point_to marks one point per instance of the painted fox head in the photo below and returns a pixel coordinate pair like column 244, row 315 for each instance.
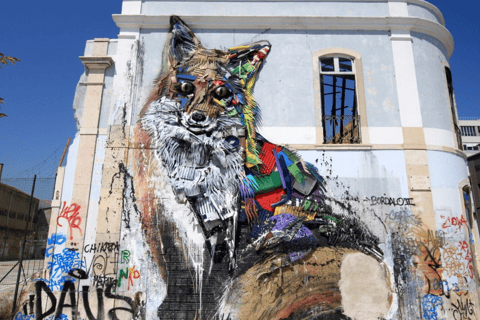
column 211, row 83
column 199, row 121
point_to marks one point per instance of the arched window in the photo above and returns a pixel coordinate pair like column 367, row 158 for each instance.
column 340, row 119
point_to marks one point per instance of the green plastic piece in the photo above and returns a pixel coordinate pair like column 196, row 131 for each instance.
column 306, row 204
column 268, row 183
column 331, row 218
column 232, row 112
column 246, row 68
column 296, row 173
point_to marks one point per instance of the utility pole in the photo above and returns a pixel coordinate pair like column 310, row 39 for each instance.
column 22, row 248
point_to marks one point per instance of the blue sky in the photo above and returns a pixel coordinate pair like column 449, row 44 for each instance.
column 48, row 36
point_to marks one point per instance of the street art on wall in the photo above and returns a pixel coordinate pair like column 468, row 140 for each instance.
column 217, row 222
column 256, row 207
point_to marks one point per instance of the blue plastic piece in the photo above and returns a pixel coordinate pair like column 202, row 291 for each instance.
column 186, row 77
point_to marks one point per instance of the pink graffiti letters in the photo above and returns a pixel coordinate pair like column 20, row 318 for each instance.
column 71, row 215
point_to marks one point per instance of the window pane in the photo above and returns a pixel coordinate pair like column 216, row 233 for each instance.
column 468, row 131
column 345, row 64
column 340, row 119
column 20, row 216
column 327, row 64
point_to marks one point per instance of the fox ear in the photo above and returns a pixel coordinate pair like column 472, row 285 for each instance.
column 183, row 42
column 246, row 61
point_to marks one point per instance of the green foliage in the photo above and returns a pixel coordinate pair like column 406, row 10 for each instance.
column 5, row 60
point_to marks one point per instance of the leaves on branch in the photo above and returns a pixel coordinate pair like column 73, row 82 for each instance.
column 6, row 59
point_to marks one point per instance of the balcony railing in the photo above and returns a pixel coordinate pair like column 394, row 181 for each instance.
column 341, row 129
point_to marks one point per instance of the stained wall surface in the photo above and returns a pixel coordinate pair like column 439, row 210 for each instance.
column 177, row 202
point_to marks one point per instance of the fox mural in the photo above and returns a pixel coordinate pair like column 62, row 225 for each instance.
column 238, row 226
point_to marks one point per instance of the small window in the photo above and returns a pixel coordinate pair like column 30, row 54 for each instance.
column 340, row 119
column 468, row 131
column 453, row 106
column 3, row 213
column 12, row 214
column 20, row 216
column 468, row 204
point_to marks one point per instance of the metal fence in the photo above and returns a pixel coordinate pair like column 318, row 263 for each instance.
column 23, row 239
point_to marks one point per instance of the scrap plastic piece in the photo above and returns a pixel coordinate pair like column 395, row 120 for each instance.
column 267, row 199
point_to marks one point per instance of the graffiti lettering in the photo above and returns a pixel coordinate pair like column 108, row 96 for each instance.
column 430, row 303
column 389, row 201
column 61, row 263
column 125, row 255
column 101, row 281
column 463, row 310
column 458, row 260
column 130, row 274
column 71, row 215
column 454, row 222
column 67, row 300
column 102, row 247
column 404, row 216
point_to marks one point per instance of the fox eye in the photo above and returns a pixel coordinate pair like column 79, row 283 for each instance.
column 221, row 92
column 186, row 88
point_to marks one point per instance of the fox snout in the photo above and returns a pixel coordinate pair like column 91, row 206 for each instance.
column 198, row 121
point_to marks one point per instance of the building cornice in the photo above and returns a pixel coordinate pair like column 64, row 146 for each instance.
column 421, row 3
column 428, row 27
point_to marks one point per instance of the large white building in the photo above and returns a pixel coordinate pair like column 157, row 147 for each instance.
column 360, row 89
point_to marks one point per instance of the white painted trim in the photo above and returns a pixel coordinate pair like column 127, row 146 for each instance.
column 132, row 6
column 289, row 135
column 137, row 21
column 406, row 82
column 397, row 9
column 439, row 137
column 386, row 135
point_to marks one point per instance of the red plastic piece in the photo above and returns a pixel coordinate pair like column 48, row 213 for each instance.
column 267, row 199
column 267, row 157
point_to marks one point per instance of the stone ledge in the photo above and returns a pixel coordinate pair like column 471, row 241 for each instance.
column 101, row 63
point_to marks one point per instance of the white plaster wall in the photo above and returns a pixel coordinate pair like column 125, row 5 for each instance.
column 266, row 8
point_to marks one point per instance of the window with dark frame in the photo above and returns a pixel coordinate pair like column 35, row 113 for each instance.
column 451, row 96
column 340, row 119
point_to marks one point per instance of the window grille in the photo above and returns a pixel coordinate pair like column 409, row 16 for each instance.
column 340, row 119
column 468, row 131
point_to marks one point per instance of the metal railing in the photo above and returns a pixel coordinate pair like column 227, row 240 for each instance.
column 339, row 129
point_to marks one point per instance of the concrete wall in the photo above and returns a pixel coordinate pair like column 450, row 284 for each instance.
column 394, row 240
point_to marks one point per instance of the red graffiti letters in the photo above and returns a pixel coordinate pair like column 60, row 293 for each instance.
column 72, row 215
